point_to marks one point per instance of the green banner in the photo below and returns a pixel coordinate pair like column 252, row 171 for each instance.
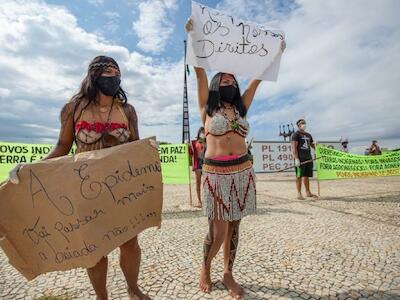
column 174, row 163
column 174, row 159
column 14, row 153
column 333, row 164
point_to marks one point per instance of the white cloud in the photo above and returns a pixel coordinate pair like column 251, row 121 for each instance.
column 45, row 56
column 96, row 2
column 112, row 24
column 265, row 11
column 4, row 92
column 153, row 26
column 112, row 14
column 340, row 67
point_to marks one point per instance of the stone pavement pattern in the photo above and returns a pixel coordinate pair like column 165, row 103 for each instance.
column 345, row 245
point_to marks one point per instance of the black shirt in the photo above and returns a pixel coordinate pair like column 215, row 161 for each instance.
column 304, row 141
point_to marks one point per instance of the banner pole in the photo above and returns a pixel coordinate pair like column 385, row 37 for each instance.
column 291, row 167
column 190, row 194
column 190, row 176
column 190, row 188
column 318, row 184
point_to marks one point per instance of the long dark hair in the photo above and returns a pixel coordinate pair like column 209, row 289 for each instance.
column 88, row 90
column 198, row 132
column 214, row 97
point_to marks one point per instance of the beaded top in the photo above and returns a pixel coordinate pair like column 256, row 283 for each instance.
column 220, row 124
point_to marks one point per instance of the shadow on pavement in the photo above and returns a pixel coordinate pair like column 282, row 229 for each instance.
column 170, row 215
column 395, row 197
column 251, row 290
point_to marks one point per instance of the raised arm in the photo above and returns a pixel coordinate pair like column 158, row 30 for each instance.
column 202, row 82
column 66, row 136
column 249, row 93
column 202, row 90
column 251, row 89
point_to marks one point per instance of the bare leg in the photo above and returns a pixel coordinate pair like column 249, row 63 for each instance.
column 198, row 186
column 217, row 232
column 230, row 248
column 98, row 278
column 298, row 187
column 130, row 265
column 307, row 186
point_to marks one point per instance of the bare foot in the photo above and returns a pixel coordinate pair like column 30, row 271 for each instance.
column 137, row 295
column 198, row 205
column 205, row 284
column 311, row 195
column 235, row 290
column 300, row 197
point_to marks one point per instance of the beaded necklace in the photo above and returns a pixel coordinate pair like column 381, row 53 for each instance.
column 233, row 123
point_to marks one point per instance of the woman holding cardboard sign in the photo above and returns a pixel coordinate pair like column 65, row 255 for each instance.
column 229, row 191
column 98, row 117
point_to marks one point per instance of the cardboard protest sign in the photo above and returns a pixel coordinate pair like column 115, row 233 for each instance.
column 14, row 153
column 175, row 163
column 334, row 164
column 227, row 44
column 68, row 212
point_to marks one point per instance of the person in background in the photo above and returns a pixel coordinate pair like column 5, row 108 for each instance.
column 345, row 143
column 302, row 142
column 374, row 149
column 197, row 150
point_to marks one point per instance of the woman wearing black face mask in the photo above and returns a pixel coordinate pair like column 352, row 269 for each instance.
column 97, row 117
column 229, row 191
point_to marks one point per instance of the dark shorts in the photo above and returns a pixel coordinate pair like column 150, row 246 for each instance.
column 305, row 170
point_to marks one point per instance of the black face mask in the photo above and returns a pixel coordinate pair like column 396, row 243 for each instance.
column 228, row 93
column 108, row 85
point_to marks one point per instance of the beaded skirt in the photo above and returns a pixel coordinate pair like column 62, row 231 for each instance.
column 228, row 188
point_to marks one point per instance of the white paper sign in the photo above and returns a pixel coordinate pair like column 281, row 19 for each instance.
column 227, row 44
column 272, row 156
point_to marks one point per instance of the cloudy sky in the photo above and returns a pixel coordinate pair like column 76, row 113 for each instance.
column 341, row 68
